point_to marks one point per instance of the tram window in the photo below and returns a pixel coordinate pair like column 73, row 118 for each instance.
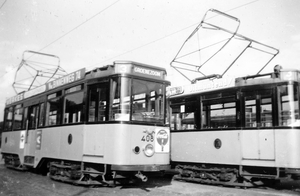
column 147, row 101
column 92, row 104
column 258, row 109
column 73, row 108
column 250, row 112
column 288, row 106
column 98, row 96
column 121, row 99
column 184, row 116
column 18, row 117
column 266, row 112
column 53, row 111
column 24, row 125
column 219, row 114
column 42, row 115
column 33, row 116
column 8, row 119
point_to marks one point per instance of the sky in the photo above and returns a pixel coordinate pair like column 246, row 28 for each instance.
column 92, row 33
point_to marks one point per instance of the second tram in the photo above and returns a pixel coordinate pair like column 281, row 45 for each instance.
column 237, row 132
column 91, row 127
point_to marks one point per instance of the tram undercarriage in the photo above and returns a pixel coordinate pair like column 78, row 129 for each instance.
column 86, row 174
column 90, row 174
column 232, row 176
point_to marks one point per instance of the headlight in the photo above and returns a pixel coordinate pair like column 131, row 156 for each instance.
column 149, row 150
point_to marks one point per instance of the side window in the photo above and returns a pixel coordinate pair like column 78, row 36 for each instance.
column 42, row 115
column 258, row 109
column 54, row 109
column 73, row 105
column 218, row 114
column 185, row 116
column 250, row 112
column 266, row 111
column 24, row 125
column 33, row 116
column 288, row 105
column 8, row 119
column 18, row 117
column 98, row 99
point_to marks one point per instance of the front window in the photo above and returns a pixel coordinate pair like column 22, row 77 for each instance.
column 137, row 100
column 148, row 101
column 288, row 105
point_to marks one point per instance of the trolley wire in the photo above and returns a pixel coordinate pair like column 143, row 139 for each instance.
column 131, row 50
column 3, row 4
column 166, row 36
column 62, row 36
column 77, row 26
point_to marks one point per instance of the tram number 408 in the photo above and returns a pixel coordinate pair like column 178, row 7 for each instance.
column 147, row 138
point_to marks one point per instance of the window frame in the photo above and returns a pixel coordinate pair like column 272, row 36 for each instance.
column 69, row 92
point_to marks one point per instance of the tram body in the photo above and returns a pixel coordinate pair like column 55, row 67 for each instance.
column 89, row 127
column 237, row 132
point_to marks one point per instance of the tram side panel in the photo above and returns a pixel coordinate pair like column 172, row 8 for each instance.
column 13, row 143
column 265, row 147
column 287, row 147
column 107, row 144
column 64, row 143
column 214, row 147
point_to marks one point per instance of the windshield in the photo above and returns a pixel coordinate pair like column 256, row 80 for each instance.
column 138, row 100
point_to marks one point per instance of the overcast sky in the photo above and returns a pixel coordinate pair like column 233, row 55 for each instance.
column 91, row 33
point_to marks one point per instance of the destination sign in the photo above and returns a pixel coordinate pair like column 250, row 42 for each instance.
column 35, row 91
column 202, row 86
column 14, row 99
column 147, row 71
column 72, row 77
column 140, row 70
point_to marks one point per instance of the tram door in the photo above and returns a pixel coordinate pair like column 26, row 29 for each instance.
column 258, row 139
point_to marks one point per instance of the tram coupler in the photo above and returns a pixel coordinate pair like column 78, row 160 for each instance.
column 141, row 176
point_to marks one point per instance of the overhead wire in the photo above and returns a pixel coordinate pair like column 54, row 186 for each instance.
column 78, row 26
column 62, row 36
column 166, row 36
column 131, row 50
column 3, row 4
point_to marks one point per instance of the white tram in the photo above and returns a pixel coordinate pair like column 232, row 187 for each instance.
column 237, row 132
column 89, row 127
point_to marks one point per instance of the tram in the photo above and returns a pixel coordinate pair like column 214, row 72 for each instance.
column 237, row 131
column 91, row 127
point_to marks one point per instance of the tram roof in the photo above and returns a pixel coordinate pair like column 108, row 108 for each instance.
column 118, row 67
column 230, row 82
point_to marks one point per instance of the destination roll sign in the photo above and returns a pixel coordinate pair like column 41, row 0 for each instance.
column 140, row 70
column 72, row 77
